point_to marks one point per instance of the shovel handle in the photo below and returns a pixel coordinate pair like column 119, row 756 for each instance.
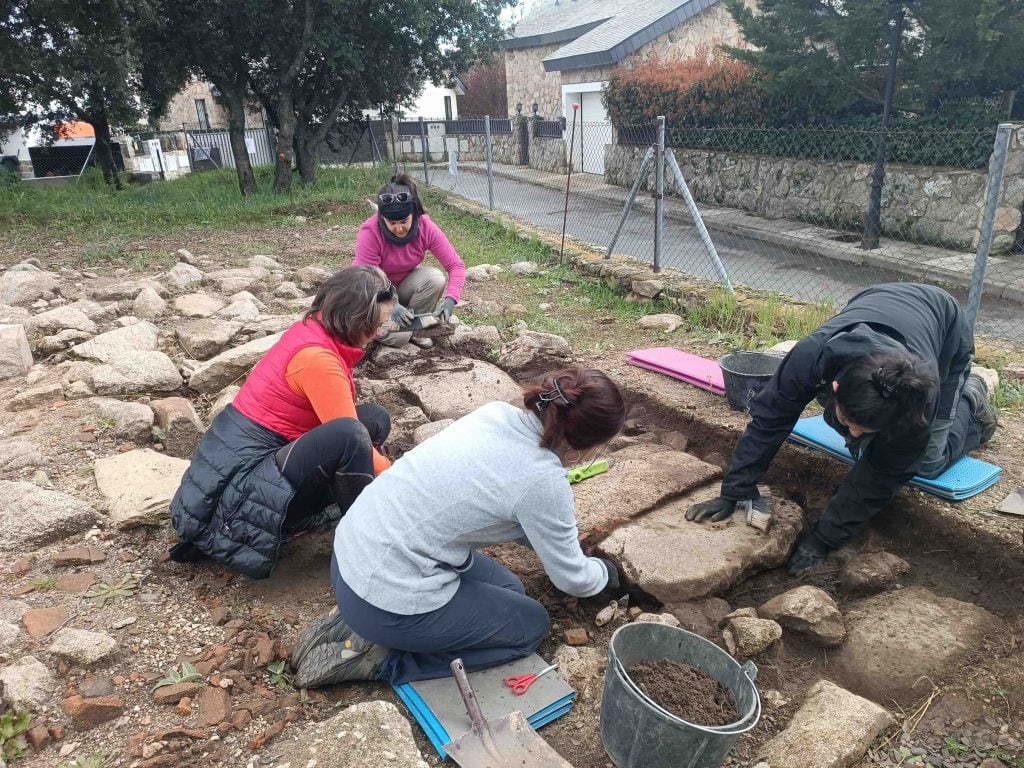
column 468, row 695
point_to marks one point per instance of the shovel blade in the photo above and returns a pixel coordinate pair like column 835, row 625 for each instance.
column 506, row 742
column 1013, row 504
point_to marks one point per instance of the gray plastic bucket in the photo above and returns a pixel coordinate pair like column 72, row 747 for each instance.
column 745, row 374
column 637, row 733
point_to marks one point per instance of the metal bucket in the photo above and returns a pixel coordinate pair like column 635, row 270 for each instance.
column 745, row 374
column 638, row 733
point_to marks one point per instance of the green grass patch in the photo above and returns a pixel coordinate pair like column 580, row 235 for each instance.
column 93, row 212
column 1009, row 395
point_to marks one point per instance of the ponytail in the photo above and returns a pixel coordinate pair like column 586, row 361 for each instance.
column 885, row 390
column 580, row 407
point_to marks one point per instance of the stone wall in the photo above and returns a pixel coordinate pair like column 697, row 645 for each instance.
column 472, row 147
column 925, row 204
column 527, row 82
column 182, row 109
column 548, row 155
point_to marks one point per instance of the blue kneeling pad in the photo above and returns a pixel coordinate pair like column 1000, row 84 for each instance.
column 967, row 478
column 439, row 709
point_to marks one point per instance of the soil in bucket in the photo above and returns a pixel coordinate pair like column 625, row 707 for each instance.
column 685, row 691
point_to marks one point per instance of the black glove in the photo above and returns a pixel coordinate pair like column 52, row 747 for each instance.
column 715, row 510
column 402, row 315
column 811, row 551
column 444, row 314
column 613, row 575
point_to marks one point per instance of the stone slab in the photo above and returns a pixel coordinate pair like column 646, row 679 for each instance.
column 133, row 373
column 897, row 638
column 138, row 337
column 832, row 729
column 675, row 560
column 369, row 733
column 31, row 516
column 138, row 485
column 461, row 389
column 638, row 481
column 227, row 367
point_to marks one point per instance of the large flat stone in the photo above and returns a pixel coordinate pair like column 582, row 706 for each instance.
column 23, row 284
column 133, row 373
column 60, row 319
column 370, row 733
column 27, row 684
column 138, row 485
column 227, row 367
column 15, row 353
column 897, row 638
column 637, row 482
column 130, row 420
column 31, row 516
column 675, row 560
column 138, row 337
column 461, row 389
column 204, row 338
column 198, row 304
column 832, row 729
column 234, row 280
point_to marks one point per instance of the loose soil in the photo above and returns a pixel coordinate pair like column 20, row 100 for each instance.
column 685, row 691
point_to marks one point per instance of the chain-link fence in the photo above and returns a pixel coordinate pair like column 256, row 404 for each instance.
column 799, row 212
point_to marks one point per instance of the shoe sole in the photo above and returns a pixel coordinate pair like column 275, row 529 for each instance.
column 332, row 663
column 314, row 635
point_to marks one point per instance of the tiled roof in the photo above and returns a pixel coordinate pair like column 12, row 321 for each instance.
column 599, row 32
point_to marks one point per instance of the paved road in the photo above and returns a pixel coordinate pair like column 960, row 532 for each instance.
column 748, row 261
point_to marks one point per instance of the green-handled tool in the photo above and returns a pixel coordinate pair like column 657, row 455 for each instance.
column 587, row 471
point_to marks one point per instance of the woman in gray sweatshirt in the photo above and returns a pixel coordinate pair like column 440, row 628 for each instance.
column 412, row 589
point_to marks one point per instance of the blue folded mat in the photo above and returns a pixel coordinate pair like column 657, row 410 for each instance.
column 967, row 478
column 439, row 710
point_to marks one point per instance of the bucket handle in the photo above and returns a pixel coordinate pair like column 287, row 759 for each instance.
column 750, row 670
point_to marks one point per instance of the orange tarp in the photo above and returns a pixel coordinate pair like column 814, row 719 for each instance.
column 75, row 130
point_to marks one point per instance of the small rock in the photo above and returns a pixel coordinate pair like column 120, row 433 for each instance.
column 82, row 647
column 88, row 713
column 38, row 737
column 224, row 399
column 872, row 572
column 311, row 278
column 233, row 280
column 240, row 311
column 105, row 348
column 39, row 622
column 288, row 290
column 773, row 699
column 691, row 618
column 43, row 395
column 479, row 274
column 20, row 454
column 576, row 636
column 27, row 684
column 659, row 618
column 428, row 430
column 214, row 707
column 132, row 421
column 182, row 429
column 783, row 347
column 204, row 338
column 185, row 255
column 148, row 304
column 198, row 305
column 1014, row 372
column 523, row 268
column 532, row 351
column 264, row 262
column 746, row 613
column 9, row 634
column 809, row 611
column 93, row 687
column 745, row 636
column 989, row 376
column 184, row 707
column 172, row 694
column 662, row 322
column 79, row 556
column 76, row 583
column 136, row 372
column 649, row 289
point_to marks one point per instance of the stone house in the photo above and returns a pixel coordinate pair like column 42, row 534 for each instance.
column 197, row 107
column 565, row 51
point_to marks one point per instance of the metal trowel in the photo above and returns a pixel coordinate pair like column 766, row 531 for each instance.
column 504, row 742
column 1013, row 504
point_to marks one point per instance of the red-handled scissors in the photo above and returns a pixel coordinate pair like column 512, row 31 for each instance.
column 520, row 683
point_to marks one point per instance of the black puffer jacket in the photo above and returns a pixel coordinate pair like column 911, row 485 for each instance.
column 233, row 499
column 920, row 318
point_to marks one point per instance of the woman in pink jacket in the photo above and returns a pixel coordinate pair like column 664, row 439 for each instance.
column 397, row 240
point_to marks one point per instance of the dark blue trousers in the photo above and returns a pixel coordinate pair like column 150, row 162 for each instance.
column 489, row 621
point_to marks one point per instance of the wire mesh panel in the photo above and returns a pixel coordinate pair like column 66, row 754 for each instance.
column 784, row 209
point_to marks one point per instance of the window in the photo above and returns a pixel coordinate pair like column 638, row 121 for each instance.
column 447, row 107
column 202, row 115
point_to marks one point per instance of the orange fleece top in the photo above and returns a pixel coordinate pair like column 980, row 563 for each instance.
column 316, row 374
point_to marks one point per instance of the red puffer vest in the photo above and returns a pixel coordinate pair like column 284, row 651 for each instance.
column 266, row 397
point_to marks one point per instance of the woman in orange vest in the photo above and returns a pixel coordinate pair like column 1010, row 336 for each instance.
column 293, row 450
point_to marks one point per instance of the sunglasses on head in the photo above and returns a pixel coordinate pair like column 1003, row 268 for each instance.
column 395, row 197
column 388, row 294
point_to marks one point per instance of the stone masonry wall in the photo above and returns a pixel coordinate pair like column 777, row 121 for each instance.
column 935, row 205
column 527, row 81
column 182, row 109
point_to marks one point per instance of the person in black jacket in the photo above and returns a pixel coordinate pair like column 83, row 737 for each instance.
column 893, row 373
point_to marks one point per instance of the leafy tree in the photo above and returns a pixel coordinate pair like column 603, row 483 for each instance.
column 486, row 91
column 82, row 60
column 831, row 54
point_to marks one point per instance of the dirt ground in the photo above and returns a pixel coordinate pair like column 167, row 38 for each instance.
column 206, row 614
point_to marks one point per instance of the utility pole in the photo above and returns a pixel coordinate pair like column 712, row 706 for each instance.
column 873, row 219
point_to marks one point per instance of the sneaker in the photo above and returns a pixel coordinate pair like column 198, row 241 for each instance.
column 352, row 660
column 329, row 628
column 976, row 391
column 810, row 552
column 422, row 343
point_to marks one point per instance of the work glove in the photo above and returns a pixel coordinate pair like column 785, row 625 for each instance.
column 756, row 512
column 402, row 315
column 811, row 551
column 614, row 582
column 444, row 314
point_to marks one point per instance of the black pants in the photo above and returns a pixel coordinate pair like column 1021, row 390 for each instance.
column 330, row 465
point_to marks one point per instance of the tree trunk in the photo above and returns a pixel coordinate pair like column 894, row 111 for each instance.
column 285, row 142
column 305, row 154
column 104, row 155
column 235, row 101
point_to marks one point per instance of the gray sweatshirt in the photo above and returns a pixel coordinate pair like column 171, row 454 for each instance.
column 484, row 480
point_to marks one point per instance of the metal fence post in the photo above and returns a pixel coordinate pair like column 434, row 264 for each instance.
column 645, row 166
column 659, row 194
column 490, row 162
column 988, row 220
column 423, row 147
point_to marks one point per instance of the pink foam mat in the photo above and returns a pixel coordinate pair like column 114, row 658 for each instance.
column 693, row 369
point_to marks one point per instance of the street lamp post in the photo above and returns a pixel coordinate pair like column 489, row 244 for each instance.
column 873, row 219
